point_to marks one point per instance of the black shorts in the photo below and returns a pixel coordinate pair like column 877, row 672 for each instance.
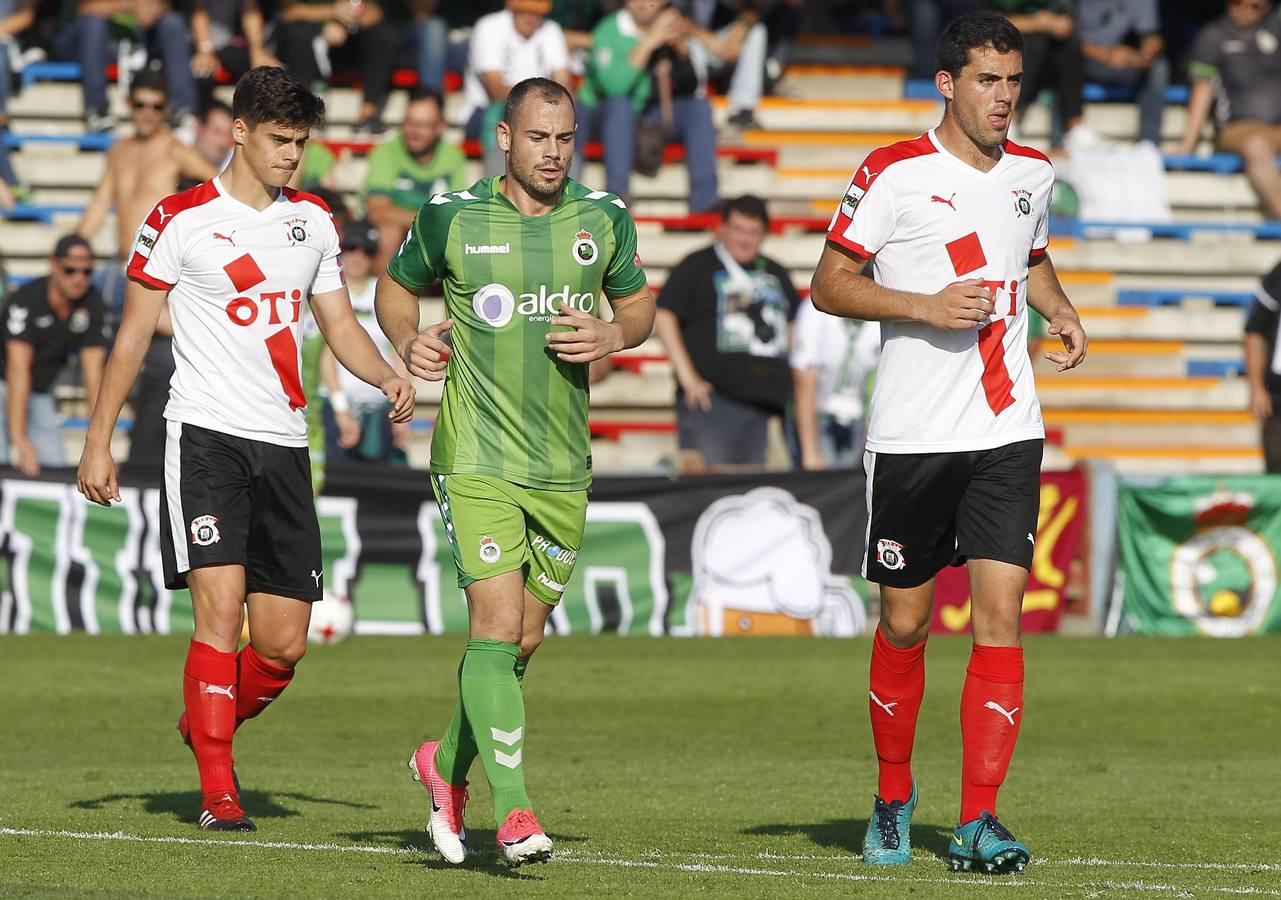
column 930, row 510
column 228, row 500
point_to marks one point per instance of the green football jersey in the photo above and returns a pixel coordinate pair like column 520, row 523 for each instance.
column 511, row 409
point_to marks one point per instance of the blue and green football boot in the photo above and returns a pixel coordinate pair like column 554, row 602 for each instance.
column 889, row 832
column 985, row 845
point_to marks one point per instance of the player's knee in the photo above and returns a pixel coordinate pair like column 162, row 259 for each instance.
column 283, row 654
column 529, row 643
column 904, row 628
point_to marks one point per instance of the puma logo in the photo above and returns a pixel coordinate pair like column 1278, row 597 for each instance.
column 868, row 174
column 996, row 707
column 229, row 238
column 888, row 707
column 937, row 199
column 220, row 689
column 164, row 215
column 316, row 575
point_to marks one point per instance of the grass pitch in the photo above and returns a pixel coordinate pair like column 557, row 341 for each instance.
column 659, row 767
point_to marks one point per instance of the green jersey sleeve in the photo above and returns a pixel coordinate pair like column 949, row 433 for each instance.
column 624, row 275
column 420, row 260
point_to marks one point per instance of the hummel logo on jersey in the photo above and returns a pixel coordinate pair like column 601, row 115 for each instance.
column 935, row 198
column 888, row 707
column 229, row 238
column 316, row 575
column 486, row 249
column 996, row 707
column 220, row 689
column 164, row 215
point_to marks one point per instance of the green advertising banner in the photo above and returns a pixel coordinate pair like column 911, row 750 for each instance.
column 1199, row 556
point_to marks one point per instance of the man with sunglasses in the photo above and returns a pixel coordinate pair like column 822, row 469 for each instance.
column 142, row 170
column 1236, row 69
column 46, row 322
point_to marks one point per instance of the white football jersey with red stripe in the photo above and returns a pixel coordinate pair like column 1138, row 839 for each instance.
column 237, row 278
column 927, row 219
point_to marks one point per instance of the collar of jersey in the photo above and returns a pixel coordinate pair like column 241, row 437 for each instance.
column 226, row 195
column 949, row 155
column 496, row 192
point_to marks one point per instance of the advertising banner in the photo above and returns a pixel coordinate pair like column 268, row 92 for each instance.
column 1198, row 556
column 1059, row 531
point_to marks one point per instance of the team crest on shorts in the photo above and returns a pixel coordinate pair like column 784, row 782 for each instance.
column 204, row 531
column 890, row 554
column 1022, row 202
column 585, row 250
column 490, row 552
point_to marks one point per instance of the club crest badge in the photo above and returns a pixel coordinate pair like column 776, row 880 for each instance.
column 204, row 531
column 490, row 552
column 296, row 231
column 890, row 554
column 1022, row 202
column 585, row 251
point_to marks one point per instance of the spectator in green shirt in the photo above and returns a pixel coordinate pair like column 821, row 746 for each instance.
column 406, row 171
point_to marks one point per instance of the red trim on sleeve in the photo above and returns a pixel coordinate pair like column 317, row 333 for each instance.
column 1037, row 251
column 296, row 196
column 854, row 247
column 1020, row 150
column 163, row 212
column 137, row 274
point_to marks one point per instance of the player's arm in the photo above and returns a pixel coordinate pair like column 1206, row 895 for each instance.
column 19, row 357
column 93, row 362
column 1045, row 295
column 594, row 338
column 96, row 477
column 424, row 353
column 356, row 351
column 839, row 288
column 100, row 203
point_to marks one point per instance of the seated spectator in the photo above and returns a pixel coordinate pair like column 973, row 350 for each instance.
column 1052, row 59
column 577, row 18
column 406, row 171
column 723, row 317
column 357, row 426
column 507, row 47
column 17, row 17
column 832, row 359
column 351, row 33
column 315, row 169
column 1236, row 67
column 630, row 48
column 733, row 35
column 1122, row 43
column 227, row 35
column 47, row 321
column 927, row 20
column 92, row 38
column 1262, row 366
column 214, row 140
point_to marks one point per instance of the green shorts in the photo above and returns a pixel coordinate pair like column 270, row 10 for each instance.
column 495, row 526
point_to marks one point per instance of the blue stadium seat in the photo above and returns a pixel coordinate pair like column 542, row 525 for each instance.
column 83, row 141
column 50, row 71
column 1173, row 297
column 35, row 212
column 1215, row 368
column 1177, row 230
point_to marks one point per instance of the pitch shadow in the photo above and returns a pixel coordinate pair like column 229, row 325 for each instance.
column 185, row 805
column 483, row 858
column 847, row 834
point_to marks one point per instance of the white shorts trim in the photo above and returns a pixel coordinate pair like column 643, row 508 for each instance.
column 173, row 495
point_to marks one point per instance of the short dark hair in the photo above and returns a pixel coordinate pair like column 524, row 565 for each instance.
column 974, row 32
column 212, row 107
column 149, row 80
column 543, row 88
column 67, row 243
column 418, row 94
column 270, row 94
column 747, row 205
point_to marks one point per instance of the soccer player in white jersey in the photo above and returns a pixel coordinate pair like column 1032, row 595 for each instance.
column 952, row 228
column 236, row 258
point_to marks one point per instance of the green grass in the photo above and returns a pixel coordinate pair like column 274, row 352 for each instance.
column 660, row 768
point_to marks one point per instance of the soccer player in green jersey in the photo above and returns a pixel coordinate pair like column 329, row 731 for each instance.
column 527, row 260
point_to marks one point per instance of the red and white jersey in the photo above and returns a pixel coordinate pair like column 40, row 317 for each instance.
column 928, row 219
column 237, row 279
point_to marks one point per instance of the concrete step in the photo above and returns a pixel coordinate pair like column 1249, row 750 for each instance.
column 1163, row 323
column 1072, row 390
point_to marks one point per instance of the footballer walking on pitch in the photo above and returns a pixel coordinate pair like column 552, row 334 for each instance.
column 954, row 225
column 236, row 257
column 526, row 260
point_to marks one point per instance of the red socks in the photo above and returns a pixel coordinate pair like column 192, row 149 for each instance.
column 896, row 685
column 208, row 693
column 991, row 710
column 258, row 684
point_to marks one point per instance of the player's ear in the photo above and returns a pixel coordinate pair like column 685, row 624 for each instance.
column 239, row 131
column 504, row 134
column 943, row 81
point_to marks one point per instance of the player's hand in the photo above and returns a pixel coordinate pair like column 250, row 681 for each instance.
column 1066, row 325
column 698, row 394
column 348, row 429
column 400, row 394
column 427, row 355
column 591, row 339
column 1260, row 403
column 962, row 304
column 204, row 64
column 25, row 458
column 96, row 478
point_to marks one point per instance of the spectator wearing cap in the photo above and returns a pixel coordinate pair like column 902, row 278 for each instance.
column 405, row 172
column 47, row 321
column 1236, row 70
column 357, row 426
column 507, row 47
column 1122, row 43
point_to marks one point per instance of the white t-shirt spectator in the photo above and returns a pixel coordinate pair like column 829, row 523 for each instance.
column 496, row 46
column 844, row 353
column 362, row 304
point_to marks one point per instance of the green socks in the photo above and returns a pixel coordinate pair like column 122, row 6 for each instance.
column 490, row 722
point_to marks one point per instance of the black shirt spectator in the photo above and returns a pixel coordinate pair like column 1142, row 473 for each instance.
column 1262, row 368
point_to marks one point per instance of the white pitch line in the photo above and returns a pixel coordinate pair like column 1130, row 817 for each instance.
column 579, row 857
